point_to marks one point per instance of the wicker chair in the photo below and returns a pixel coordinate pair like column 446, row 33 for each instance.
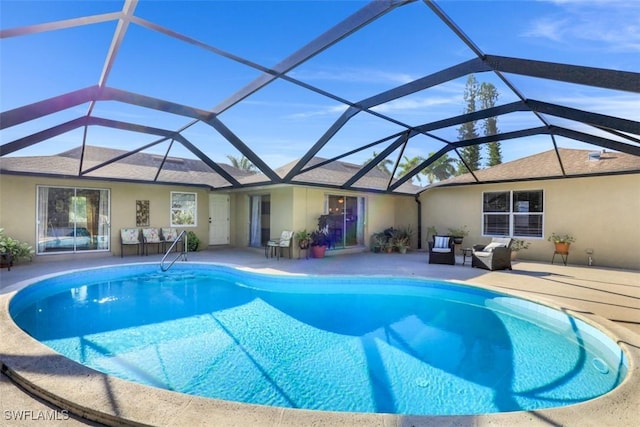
column 494, row 256
column 442, row 250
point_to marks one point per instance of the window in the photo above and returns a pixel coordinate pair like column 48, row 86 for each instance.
column 512, row 213
column 72, row 219
column 184, row 209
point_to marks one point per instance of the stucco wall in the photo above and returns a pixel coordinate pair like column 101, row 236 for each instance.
column 298, row 207
column 601, row 212
column 18, row 206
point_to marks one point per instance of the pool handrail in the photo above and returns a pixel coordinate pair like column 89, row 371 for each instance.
column 183, row 253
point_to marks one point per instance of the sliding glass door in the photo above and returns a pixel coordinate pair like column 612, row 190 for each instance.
column 346, row 220
column 72, row 219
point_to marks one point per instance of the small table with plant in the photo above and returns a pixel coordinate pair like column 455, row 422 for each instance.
column 561, row 246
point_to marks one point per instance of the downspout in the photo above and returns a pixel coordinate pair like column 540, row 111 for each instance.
column 417, row 199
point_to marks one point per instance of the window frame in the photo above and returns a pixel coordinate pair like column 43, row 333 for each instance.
column 172, row 209
column 511, row 214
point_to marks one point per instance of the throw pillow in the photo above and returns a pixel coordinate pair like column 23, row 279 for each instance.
column 441, row 242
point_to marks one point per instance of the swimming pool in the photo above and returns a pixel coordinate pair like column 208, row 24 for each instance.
column 405, row 346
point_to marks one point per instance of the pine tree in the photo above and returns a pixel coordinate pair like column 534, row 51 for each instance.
column 470, row 154
column 488, row 96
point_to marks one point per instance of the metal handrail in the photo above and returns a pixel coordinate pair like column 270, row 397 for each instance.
column 183, row 253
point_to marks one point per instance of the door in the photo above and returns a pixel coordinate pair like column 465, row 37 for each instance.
column 219, row 226
column 346, row 220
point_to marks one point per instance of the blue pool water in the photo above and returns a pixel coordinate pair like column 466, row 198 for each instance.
column 364, row 344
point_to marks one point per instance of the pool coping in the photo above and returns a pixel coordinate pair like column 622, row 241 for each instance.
column 112, row 401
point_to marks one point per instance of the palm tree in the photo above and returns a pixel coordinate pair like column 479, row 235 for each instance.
column 242, row 163
column 441, row 169
column 409, row 164
column 383, row 166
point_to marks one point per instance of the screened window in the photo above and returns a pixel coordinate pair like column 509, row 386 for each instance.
column 512, row 213
column 184, row 209
column 72, row 219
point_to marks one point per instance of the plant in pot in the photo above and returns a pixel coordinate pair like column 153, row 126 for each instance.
column 402, row 244
column 390, row 235
column 431, row 231
column 378, row 242
column 458, row 234
column 562, row 241
column 517, row 245
column 12, row 250
column 319, row 238
column 402, row 239
column 303, row 237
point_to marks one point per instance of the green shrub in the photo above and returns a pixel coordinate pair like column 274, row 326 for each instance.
column 193, row 242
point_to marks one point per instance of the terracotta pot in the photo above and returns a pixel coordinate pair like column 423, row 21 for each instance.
column 562, row 248
column 318, row 251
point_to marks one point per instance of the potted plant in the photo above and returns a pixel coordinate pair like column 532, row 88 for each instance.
column 319, row 238
column 458, row 234
column 378, row 242
column 303, row 237
column 517, row 245
column 401, row 243
column 12, row 250
column 431, row 231
column 402, row 239
column 561, row 241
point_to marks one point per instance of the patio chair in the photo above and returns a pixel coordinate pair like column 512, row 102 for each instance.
column 442, row 250
column 150, row 236
column 129, row 237
column 277, row 245
column 494, row 256
column 168, row 236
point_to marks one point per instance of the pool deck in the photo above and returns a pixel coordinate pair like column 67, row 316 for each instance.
column 607, row 297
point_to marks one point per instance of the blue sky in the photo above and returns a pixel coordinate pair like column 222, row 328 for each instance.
column 283, row 120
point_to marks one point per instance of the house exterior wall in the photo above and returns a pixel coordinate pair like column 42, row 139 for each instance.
column 600, row 212
column 18, row 213
column 298, row 207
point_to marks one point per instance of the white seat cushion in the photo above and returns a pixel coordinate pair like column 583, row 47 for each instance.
column 441, row 250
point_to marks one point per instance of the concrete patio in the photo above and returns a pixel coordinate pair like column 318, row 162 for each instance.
column 608, row 297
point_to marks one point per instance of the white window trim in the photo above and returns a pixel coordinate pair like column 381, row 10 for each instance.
column 75, row 189
column 512, row 214
column 195, row 213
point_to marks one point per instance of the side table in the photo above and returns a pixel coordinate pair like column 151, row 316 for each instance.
column 466, row 252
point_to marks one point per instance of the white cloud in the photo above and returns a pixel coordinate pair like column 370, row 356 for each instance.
column 410, row 104
column 606, row 25
column 352, row 75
